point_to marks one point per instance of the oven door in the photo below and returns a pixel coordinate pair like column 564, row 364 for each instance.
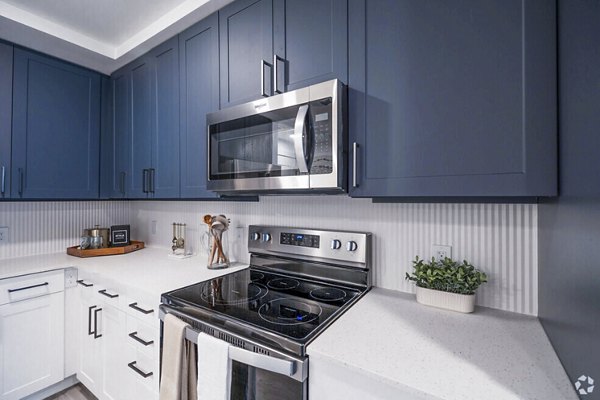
column 257, row 372
column 252, row 380
column 284, row 143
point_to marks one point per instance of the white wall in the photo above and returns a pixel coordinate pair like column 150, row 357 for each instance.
column 501, row 239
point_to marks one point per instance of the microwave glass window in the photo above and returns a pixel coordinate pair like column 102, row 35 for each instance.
column 264, row 145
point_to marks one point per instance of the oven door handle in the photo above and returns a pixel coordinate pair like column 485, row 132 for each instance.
column 276, row 365
column 298, row 136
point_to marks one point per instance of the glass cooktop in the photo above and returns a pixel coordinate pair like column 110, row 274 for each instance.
column 283, row 304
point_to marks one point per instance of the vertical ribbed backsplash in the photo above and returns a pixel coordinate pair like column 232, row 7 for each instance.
column 48, row 227
column 501, row 239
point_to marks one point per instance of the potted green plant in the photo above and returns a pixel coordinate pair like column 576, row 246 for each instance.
column 446, row 283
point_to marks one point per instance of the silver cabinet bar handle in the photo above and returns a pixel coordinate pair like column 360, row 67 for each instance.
column 152, row 174
column 3, row 179
column 263, row 64
column 144, row 180
column 20, row 181
column 354, row 160
column 276, row 59
column 122, row 183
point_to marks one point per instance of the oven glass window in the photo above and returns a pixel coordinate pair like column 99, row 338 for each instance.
column 250, row 383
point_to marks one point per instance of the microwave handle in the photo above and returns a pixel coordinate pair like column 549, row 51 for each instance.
column 299, row 127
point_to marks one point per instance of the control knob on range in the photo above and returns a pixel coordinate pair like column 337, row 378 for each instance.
column 351, row 246
column 266, row 237
column 255, row 236
column 336, row 244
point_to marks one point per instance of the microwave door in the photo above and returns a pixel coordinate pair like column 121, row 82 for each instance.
column 259, row 152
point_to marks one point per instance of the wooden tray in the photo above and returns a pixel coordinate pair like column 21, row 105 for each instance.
column 109, row 251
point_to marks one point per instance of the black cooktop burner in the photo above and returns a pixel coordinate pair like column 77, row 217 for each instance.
column 213, row 293
column 283, row 283
column 328, row 294
column 289, row 312
column 289, row 306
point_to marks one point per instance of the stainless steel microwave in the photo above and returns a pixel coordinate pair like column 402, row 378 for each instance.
column 293, row 142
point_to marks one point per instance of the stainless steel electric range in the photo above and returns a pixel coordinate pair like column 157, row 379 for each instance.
column 298, row 283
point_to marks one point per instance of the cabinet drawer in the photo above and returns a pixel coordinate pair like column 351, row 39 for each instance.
column 29, row 286
column 143, row 337
column 143, row 370
column 141, row 308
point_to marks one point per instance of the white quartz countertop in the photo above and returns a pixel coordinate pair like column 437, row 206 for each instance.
column 441, row 354
column 150, row 270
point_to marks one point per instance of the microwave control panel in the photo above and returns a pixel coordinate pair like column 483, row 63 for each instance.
column 322, row 162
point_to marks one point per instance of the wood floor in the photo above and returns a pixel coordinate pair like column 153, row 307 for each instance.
column 77, row 392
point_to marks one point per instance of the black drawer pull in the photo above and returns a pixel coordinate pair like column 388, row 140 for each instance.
column 136, row 308
column 90, row 331
column 112, row 296
column 139, row 371
column 27, row 287
column 82, row 283
column 135, row 337
column 96, row 311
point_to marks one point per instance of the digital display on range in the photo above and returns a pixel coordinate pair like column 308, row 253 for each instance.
column 298, row 239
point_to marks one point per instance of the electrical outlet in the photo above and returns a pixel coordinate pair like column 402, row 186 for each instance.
column 153, row 227
column 441, row 251
column 70, row 277
column 3, row 235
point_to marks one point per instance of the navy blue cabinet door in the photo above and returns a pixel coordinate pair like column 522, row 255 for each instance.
column 246, row 51
column 6, row 76
column 310, row 42
column 140, row 130
column 453, row 98
column 164, row 174
column 199, row 78
column 56, row 129
column 116, row 138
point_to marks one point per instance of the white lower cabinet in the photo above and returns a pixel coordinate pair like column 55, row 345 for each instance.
column 118, row 352
column 31, row 334
column 90, row 344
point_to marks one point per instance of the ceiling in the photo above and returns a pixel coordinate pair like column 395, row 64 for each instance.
column 99, row 34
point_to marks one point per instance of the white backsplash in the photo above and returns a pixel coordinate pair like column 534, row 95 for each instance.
column 49, row 227
column 501, row 239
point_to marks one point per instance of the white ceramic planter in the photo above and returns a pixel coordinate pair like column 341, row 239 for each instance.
column 464, row 303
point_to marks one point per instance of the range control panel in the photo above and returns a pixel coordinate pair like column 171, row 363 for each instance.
column 299, row 239
column 320, row 244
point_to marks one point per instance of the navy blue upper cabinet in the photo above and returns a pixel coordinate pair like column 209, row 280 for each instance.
column 144, row 139
column 246, row 35
column 310, row 42
column 164, row 173
column 116, row 137
column 56, row 129
column 140, row 146
column 199, row 95
column 6, row 72
column 453, row 98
